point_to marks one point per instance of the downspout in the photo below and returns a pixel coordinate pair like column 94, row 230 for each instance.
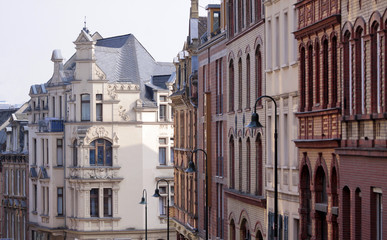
column 64, row 169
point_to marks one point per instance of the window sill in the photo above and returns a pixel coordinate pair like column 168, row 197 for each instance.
column 34, row 212
column 58, row 167
column 164, row 167
column 60, row 216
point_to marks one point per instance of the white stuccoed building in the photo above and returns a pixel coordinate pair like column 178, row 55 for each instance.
column 101, row 131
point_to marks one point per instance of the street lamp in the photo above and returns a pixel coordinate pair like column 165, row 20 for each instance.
column 144, row 200
column 157, row 194
column 256, row 124
column 191, row 168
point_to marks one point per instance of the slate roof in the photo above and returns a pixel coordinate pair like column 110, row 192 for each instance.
column 122, row 59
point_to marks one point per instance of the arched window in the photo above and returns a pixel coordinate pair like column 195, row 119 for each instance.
column 258, row 160
column 310, row 77
column 248, row 81
column 232, row 163
column 75, row 153
column 321, row 198
column 335, row 203
column 231, row 85
column 347, row 58
column 359, row 67
column 258, row 10
column 302, row 79
column 240, row 161
column 258, row 73
column 358, row 214
column 346, row 218
column 334, row 72
column 248, row 165
column 259, row 236
column 232, row 230
column 325, row 81
column 305, row 204
column 248, row 12
column 317, row 56
column 231, row 18
column 240, row 15
column 240, row 84
column 374, row 67
column 100, row 153
column 244, row 230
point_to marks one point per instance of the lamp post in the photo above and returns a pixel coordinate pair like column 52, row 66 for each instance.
column 157, row 194
column 144, row 200
column 256, row 124
column 191, row 168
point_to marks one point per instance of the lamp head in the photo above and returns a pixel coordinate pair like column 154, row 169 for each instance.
column 254, row 122
column 143, row 202
column 191, row 167
column 157, row 193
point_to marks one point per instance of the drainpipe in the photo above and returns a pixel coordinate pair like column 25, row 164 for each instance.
column 64, row 169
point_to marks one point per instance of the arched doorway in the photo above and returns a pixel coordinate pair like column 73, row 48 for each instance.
column 305, row 204
column 232, row 230
column 244, row 230
column 321, row 206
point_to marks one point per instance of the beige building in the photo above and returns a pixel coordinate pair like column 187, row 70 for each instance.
column 245, row 196
column 100, row 132
column 282, row 85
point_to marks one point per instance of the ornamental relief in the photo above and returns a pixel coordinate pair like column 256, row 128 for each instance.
column 112, row 89
column 95, row 173
column 98, row 132
column 123, row 113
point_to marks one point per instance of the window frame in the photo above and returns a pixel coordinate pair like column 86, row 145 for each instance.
column 94, row 146
column 85, row 103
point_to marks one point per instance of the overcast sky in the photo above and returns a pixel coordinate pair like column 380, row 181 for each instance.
column 31, row 29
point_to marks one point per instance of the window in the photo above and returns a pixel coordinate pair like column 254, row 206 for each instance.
column 285, row 42
column 310, row 77
column 346, row 70
column 172, row 155
column 317, row 76
column 231, row 86
column 334, row 72
column 248, row 81
column 60, row 107
column 325, row 88
column 59, row 152
column 358, row 88
column 85, row 107
column 258, row 160
column 35, row 198
column 219, row 148
column 53, row 107
column 75, row 153
column 240, row 163
column 107, row 202
column 98, row 112
column 163, row 112
column 162, row 155
column 248, row 165
column 43, row 151
column 258, row 11
column 240, row 15
column 231, row 18
column 98, row 97
column 240, row 84
column 302, row 79
column 232, row 163
column 219, row 86
column 375, row 56
column 6, row 181
column 248, row 12
column 377, row 214
column 100, row 153
column 277, row 42
column 216, row 21
column 258, row 73
column 59, row 203
column 94, row 207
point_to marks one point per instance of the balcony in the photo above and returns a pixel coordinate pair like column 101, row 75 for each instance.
column 51, row 125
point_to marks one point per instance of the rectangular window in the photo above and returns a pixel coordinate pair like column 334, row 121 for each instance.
column 85, row 107
column 35, row 197
column 44, row 200
column 59, row 152
column 6, row 181
column 60, row 201
column 53, row 106
column 172, row 156
column 35, row 152
column 277, row 39
column 47, row 159
column 377, row 213
column 98, row 97
column 162, row 155
column 163, row 112
column 94, row 202
column 107, row 202
column 98, row 112
column 43, row 152
column 163, row 205
column 285, row 39
column 269, row 46
column 163, row 98
column 60, row 107
column 162, row 141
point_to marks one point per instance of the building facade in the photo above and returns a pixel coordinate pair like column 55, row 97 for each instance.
column 282, row 85
column 245, row 195
column 364, row 126
column 212, row 123
column 14, row 178
column 184, row 103
column 101, row 131
column 319, row 112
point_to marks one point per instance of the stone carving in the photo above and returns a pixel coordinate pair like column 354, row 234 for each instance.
column 112, row 91
column 123, row 113
column 100, row 74
column 96, row 132
column 115, row 138
column 122, row 87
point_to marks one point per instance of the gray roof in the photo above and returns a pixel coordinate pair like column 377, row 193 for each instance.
column 122, row 59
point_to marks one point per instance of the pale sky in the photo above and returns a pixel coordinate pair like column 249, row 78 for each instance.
column 32, row 29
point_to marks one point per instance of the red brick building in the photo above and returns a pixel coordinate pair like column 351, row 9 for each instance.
column 319, row 115
column 363, row 151
column 212, row 123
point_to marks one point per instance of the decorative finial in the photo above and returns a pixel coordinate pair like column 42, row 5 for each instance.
column 85, row 27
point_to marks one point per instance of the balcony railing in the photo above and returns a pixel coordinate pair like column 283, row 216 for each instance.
column 51, row 125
